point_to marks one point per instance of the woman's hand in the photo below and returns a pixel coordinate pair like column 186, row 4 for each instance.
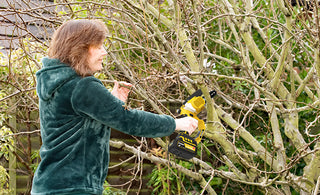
column 121, row 90
column 186, row 124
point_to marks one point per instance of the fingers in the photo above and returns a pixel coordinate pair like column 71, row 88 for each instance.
column 125, row 84
column 193, row 125
column 116, row 84
column 115, row 88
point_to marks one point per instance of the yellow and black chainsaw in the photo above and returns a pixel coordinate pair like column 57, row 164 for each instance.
column 184, row 145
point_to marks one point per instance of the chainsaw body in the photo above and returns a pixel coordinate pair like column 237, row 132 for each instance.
column 184, row 145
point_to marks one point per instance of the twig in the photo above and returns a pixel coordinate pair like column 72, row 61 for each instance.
column 18, row 92
column 316, row 189
column 208, row 183
column 21, row 133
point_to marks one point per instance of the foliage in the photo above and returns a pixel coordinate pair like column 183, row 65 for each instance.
column 6, row 142
column 3, row 181
column 19, row 105
column 164, row 180
column 111, row 191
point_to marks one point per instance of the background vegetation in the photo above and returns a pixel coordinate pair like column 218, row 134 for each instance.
column 262, row 57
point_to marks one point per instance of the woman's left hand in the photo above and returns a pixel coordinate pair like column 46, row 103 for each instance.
column 121, row 90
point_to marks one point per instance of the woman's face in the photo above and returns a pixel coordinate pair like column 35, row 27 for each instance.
column 95, row 57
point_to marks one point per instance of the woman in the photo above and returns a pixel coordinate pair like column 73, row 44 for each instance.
column 77, row 112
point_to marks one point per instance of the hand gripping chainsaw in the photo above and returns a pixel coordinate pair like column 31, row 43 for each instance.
column 183, row 145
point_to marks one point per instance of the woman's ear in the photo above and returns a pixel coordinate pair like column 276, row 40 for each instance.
column 90, row 50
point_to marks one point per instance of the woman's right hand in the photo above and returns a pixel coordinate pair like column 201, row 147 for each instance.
column 121, row 92
column 186, row 124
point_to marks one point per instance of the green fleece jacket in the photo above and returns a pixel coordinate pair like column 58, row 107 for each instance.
column 76, row 114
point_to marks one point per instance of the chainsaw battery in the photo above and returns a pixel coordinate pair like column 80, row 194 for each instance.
column 183, row 146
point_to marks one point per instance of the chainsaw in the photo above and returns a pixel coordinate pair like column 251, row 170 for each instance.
column 184, row 145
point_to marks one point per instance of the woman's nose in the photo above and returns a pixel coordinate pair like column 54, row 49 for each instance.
column 104, row 52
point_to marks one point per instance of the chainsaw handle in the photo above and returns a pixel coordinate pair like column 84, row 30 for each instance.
column 201, row 128
column 184, row 132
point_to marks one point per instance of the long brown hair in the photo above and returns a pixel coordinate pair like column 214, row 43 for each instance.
column 71, row 41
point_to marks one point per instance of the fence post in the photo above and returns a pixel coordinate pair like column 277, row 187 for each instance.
column 12, row 156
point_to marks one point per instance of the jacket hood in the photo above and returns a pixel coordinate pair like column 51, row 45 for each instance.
column 52, row 76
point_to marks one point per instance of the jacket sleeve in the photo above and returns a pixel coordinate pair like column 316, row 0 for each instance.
column 91, row 99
